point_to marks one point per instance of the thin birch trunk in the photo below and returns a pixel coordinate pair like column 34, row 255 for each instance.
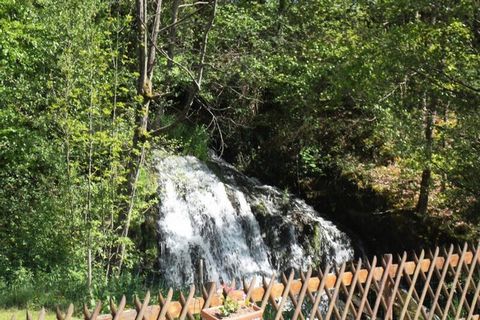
column 146, row 62
column 429, row 118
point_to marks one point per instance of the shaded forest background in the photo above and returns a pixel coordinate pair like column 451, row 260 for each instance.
column 367, row 109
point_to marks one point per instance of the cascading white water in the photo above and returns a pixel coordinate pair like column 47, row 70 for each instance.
column 236, row 225
column 198, row 220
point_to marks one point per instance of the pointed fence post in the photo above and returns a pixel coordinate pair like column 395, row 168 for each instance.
column 200, row 274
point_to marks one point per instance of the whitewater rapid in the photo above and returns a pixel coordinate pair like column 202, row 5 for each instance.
column 239, row 227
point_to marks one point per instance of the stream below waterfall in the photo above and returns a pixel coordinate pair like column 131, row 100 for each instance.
column 239, row 227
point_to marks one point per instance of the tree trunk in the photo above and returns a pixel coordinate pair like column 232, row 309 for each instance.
column 199, row 67
column 173, row 33
column 422, row 205
column 444, row 147
column 147, row 46
column 429, row 116
column 146, row 63
column 88, row 214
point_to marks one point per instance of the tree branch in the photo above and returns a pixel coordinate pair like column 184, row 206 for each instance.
column 154, row 39
column 457, row 81
column 182, row 19
column 193, row 4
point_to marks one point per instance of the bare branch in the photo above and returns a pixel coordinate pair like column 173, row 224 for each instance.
column 189, row 73
column 154, row 39
column 204, row 45
column 398, row 86
column 182, row 19
column 458, row 81
column 142, row 44
column 165, row 54
column 172, row 34
column 193, row 4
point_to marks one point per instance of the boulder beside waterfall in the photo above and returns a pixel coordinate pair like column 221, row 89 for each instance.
column 239, row 227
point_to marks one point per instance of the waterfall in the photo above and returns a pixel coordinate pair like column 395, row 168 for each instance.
column 239, row 227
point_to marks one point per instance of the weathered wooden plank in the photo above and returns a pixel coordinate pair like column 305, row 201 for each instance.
column 328, row 293
column 163, row 313
column 268, row 292
column 412, row 290
column 318, row 297
column 311, row 296
column 271, row 298
column 380, row 295
column 454, row 284
column 367, row 288
column 395, row 292
column 362, row 292
column 285, row 295
column 186, row 303
column 291, row 295
column 439, row 288
column 333, row 303
column 349, row 305
column 467, row 283
column 426, row 287
column 301, row 296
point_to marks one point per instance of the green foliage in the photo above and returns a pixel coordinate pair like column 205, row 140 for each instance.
column 312, row 162
column 61, row 287
column 339, row 94
column 305, row 95
column 191, row 140
column 229, row 306
column 66, row 125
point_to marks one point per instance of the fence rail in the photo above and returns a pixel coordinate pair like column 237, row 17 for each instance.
column 440, row 284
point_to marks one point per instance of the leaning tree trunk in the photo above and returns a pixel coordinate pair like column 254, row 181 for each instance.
column 198, row 69
column 429, row 116
column 146, row 63
column 147, row 49
column 199, row 66
column 173, row 33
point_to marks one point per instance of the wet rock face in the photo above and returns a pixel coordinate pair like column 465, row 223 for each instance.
column 239, row 227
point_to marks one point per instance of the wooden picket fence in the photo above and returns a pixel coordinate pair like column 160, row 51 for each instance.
column 440, row 284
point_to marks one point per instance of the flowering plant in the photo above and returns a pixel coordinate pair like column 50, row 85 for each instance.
column 233, row 307
column 229, row 305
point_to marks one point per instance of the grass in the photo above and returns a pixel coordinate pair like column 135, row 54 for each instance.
column 19, row 314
